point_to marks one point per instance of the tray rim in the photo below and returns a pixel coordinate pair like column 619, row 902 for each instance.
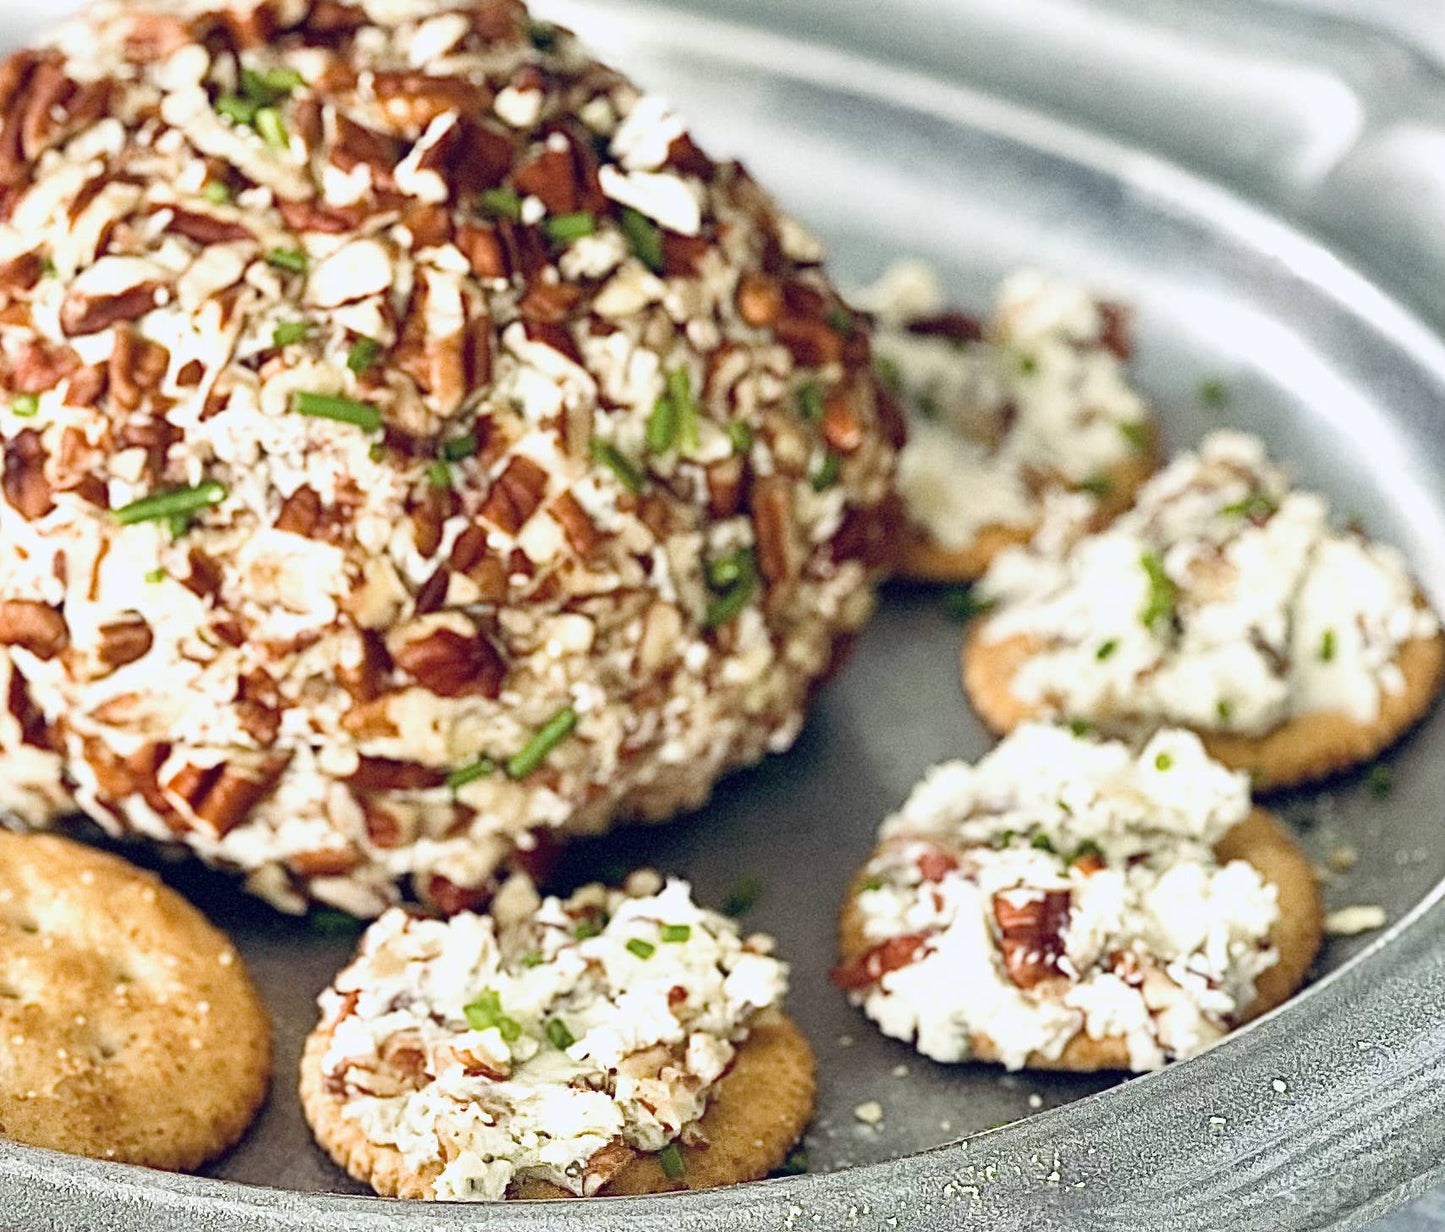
column 50, row 1189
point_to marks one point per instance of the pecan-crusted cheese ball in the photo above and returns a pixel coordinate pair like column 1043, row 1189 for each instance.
column 1069, row 904
column 1224, row 601
column 1005, row 412
column 412, row 442
column 556, row 1048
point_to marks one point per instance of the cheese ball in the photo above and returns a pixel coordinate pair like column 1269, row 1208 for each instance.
column 414, row 446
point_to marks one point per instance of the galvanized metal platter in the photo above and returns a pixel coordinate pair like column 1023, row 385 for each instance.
column 1257, row 185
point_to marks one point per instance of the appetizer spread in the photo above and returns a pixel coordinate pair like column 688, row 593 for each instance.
column 1074, row 904
column 1224, row 601
column 558, row 1047
column 1002, row 413
column 413, row 443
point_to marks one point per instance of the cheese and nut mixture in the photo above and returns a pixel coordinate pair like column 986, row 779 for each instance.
column 411, row 442
column 1224, row 600
column 1063, row 885
column 999, row 411
column 546, row 1041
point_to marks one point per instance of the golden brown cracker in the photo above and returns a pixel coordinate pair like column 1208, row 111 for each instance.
column 1300, row 750
column 1259, row 839
column 920, row 559
column 129, row 1028
column 756, row 1116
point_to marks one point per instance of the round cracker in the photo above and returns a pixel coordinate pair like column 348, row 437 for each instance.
column 129, row 1027
column 757, row 1114
column 1303, row 749
column 1297, row 934
column 921, row 559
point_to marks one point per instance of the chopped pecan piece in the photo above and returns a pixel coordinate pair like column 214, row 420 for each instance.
column 773, row 527
column 124, row 641
column 206, row 228
column 223, row 796
column 449, row 898
column 450, row 665
column 1031, row 927
column 1114, row 334
column 136, row 367
column 300, row 513
column 25, row 485
column 36, row 627
column 870, row 967
column 41, row 366
column 414, row 100
column 842, row 428
column 89, row 314
column 953, row 325
column 577, row 525
column 760, row 299
column 515, row 495
column 935, row 864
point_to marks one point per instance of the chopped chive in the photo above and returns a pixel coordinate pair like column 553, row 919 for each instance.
column 291, row 259
column 644, row 238
column 1041, row 842
column 741, row 436
column 1080, row 727
column 888, row 374
column 1213, row 392
column 364, row 352
column 1163, row 761
column 671, row 1160
column 1380, row 780
column 1137, row 434
column 179, row 502
column 1097, row 485
column 531, row 959
column 26, row 406
column 1028, row 364
column 216, row 192
column 541, row 34
column 343, row 410
column 641, row 948
column 272, row 128
column 290, row 332
column 1106, row 650
column 675, row 934
column 238, row 110
column 156, row 576
column 1256, row 507
column 1327, row 646
column 796, row 1163
column 501, row 203
column 604, row 453
column 827, row 473
column 510, row 1028
column 873, row 883
column 1087, row 848
column 48, row 268
column 587, row 928
column 1159, row 611
column 1000, row 841
column 727, row 571
column 840, row 319
column 726, row 608
column 744, row 897
column 537, row 748
column 179, row 524
column 271, row 85
column 439, row 476
column 331, row 923
column 558, row 1036
column 679, row 392
column 963, row 603
column 734, row 578
column 478, row 769
column 810, row 401
column 1224, row 710
column 483, row 1012
column 568, row 228
column 377, row 451
column 662, row 426
column 460, row 448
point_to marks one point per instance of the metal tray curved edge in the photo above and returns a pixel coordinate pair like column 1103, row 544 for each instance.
column 1321, row 1115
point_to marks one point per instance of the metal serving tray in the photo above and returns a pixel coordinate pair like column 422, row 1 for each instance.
column 1328, row 1111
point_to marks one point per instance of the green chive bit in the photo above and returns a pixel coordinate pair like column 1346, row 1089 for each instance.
column 889, row 375
column 644, row 238
column 741, row 436
column 827, row 473
column 510, row 1028
column 1080, row 727
column 1163, row 761
column 671, row 1160
column 26, row 406
column 1255, row 507
column 873, row 883
column 1028, row 364
column 156, row 576
column 1138, row 436
column 728, row 571
column 1380, row 780
column 271, row 85
column 1001, row 841
column 1041, row 842
column 537, row 748
column 641, row 948
column 744, row 897
column 541, row 34
column 377, row 452
column 568, row 228
column 478, row 769
column 735, row 578
column 810, row 401
column 179, row 524
column 1097, row 485
column 240, row 111
column 216, row 192
column 48, row 268
column 679, row 391
column 531, row 959
column 1159, row 611
column 460, row 448
column 675, row 934
column 558, row 1036
column 364, row 352
column 484, row 1012
column 796, row 1163
column 840, row 319
column 342, row 410
column 1224, row 710
column 179, row 502
column 1087, row 848
column 662, row 426
column 963, row 603
column 1213, row 393
column 292, row 260
column 1327, row 646
column 1106, row 650
column 272, row 128
column 328, row 922
column 501, row 203
column 606, row 454
column 586, row 929
column 290, row 332
column 439, row 476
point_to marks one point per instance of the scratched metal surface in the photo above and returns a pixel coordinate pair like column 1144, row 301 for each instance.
column 1108, row 141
